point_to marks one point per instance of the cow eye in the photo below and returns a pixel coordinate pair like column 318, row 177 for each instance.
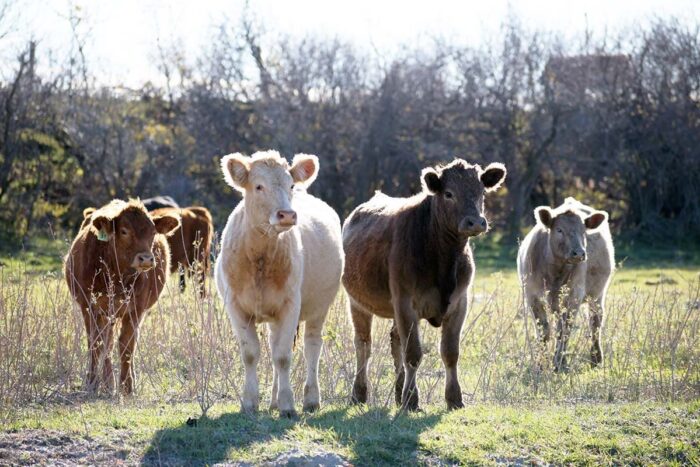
column 559, row 230
column 259, row 188
column 291, row 187
column 449, row 195
column 124, row 231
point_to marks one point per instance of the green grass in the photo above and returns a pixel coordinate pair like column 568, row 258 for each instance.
column 641, row 407
column 649, row 433
column 41, row 255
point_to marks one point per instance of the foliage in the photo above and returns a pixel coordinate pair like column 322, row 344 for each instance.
column 614, row 123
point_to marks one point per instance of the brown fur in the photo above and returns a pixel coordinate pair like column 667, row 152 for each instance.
column 190, row 245
column 565, row 260
column 410, row 259
column 104, row 283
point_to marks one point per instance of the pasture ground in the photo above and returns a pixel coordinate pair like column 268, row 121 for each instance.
column 641, row 407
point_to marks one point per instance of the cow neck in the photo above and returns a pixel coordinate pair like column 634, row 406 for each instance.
column 560, row 271
column 444, row 239
column 437, row 248
column 123, row 278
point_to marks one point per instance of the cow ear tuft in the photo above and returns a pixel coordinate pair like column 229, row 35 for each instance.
column 236, row 168
column 493, row 176
column 304, row 169
column 430, row 180
column 595, row 220
column 543, row 215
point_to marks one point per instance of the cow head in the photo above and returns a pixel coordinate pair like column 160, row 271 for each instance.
column 567, row 230
column 130, row 231
column 458, row 191
column 267, row 183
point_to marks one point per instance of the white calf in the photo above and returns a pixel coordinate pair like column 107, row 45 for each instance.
column 281, row 261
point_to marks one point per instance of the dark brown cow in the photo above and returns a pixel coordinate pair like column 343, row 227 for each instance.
column 116, row 269
column 190, row 245
column 408, row 259
column 158, row 202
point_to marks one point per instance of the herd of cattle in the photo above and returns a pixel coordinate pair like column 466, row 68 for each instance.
column 284, row 255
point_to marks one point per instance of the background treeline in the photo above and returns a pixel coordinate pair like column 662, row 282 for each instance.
column 615, row 122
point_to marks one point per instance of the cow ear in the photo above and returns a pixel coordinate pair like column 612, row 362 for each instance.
column 304, row 169
column 595, row 220
column 102, row 227
column 87, row 212
column 167, row 224
column 430, row 180
column 493, row 176
column 543, row 215
column 236, row 168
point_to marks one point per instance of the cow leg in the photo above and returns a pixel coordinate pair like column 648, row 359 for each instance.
column 596, row 309
column 312, row 352
column 107, row 369
column 449, row 351
column 91, row 382
column 363, row 349
column 96, row 325
column 565, row 318
column 407, row 324
column 282, row 334
column 397, row 354
column 181, row 274
column 249, row 343
column 275, row 389
column 128, row 338
column 539, row 310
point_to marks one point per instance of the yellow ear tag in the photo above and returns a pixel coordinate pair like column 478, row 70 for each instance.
column 102, row 236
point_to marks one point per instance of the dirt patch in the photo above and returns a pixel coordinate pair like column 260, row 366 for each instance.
column 297, row 458
column 46, row 447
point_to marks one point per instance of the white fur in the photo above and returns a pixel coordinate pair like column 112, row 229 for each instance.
column 314, row 250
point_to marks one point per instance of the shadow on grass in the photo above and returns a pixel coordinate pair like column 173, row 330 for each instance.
column 371, row 435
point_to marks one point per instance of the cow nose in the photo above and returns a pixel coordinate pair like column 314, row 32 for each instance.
column 145, row 260
column 578, row 255
column 286, row 217
column 474, row 225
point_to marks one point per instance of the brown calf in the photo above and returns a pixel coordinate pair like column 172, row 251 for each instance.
column 408, row 259
column 190, row 245
column 116, row 269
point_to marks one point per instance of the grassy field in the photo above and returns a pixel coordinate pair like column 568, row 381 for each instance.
column 642, row 406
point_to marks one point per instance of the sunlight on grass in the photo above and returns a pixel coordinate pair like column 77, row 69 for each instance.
column 518, row 409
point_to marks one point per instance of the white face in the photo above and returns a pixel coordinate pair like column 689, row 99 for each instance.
column 268, row 183
column 268, row 199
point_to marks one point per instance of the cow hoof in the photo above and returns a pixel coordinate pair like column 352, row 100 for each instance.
column 455, row 404
column 411, row 405
column 359, row 394
column 412, row 408
column 289, row 414
column 311, row 408
column 410, row 399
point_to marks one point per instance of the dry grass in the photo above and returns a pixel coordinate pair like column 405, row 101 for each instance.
column 187, row 350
